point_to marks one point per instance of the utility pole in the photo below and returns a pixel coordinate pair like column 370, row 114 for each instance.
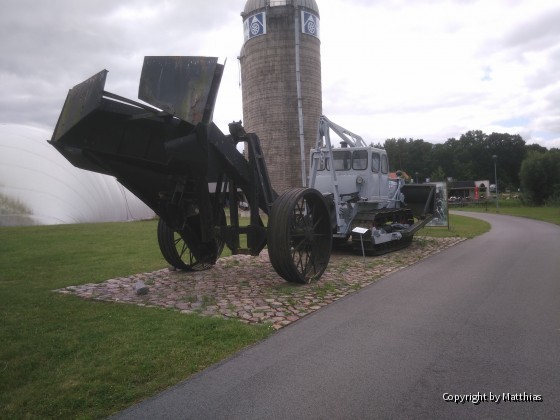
column 495, row 157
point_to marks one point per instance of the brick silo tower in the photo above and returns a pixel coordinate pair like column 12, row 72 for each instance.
column 281, row 84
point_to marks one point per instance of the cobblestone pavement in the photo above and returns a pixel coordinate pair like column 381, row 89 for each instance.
column 249, row 289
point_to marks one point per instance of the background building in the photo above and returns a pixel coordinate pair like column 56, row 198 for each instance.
column 281, row 84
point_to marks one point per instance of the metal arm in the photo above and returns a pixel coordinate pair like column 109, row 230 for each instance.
column 351, row 139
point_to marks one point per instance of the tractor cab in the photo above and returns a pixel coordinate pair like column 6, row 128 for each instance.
column 362, row 173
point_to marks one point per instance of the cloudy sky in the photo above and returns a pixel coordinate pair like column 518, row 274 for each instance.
column 429, row 69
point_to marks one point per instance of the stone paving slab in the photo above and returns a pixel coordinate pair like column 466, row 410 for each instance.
column 248, row 288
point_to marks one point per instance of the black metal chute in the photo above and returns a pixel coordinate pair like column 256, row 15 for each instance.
column 185, row 87
column 81, row 100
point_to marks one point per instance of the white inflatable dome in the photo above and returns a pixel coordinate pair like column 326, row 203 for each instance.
column 39, row 186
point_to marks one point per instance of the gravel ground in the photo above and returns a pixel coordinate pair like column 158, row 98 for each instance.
column 249, row 289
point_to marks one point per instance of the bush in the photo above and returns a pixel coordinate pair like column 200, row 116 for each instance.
column 554, row 199
column 540, row 177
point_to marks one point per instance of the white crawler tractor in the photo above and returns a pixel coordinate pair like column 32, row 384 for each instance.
column 379, row 214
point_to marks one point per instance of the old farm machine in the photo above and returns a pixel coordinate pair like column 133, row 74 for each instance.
column 169, row 153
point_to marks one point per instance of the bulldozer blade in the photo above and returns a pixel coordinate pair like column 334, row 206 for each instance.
column 420, row 198
column 185, row 87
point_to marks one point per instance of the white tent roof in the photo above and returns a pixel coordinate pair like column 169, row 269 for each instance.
column 35, row 176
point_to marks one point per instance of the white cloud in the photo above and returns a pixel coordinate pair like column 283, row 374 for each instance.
column 438, row 69
column 432, row 69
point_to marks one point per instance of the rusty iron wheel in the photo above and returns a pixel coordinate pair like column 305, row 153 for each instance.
column 177, row 252
column 300, row 235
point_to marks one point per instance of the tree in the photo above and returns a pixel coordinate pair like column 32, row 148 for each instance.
column 438, row 175
column 511, row 152
column 466, row 158
column 14, row 213
column 540, row 177
column 409, row 155
column 535, row 148
column 419, row 158
column 397, row 153
column 442, row 158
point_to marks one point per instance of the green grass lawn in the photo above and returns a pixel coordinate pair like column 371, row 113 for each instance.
column 462, row 226
column 64, row 357
column 549, row 214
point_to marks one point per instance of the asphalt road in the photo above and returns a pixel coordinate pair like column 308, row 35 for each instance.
column 480, row 320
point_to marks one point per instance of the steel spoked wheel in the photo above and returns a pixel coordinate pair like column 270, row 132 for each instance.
column 177, row 252
column 300, row 235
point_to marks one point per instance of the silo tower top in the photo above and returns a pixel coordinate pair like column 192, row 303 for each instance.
column 256, row 12
column 253, row 5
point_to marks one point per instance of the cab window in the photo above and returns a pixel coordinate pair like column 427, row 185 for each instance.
column 321, row 163
column 375, row 162
column 384, row 165
column 359, row 159
column 342, row 160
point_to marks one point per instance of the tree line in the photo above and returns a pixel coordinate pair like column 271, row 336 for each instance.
column 532, row 168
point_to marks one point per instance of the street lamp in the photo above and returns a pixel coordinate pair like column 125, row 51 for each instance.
column 496, row 183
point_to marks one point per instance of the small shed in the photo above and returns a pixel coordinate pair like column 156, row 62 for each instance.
column 468, row 190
